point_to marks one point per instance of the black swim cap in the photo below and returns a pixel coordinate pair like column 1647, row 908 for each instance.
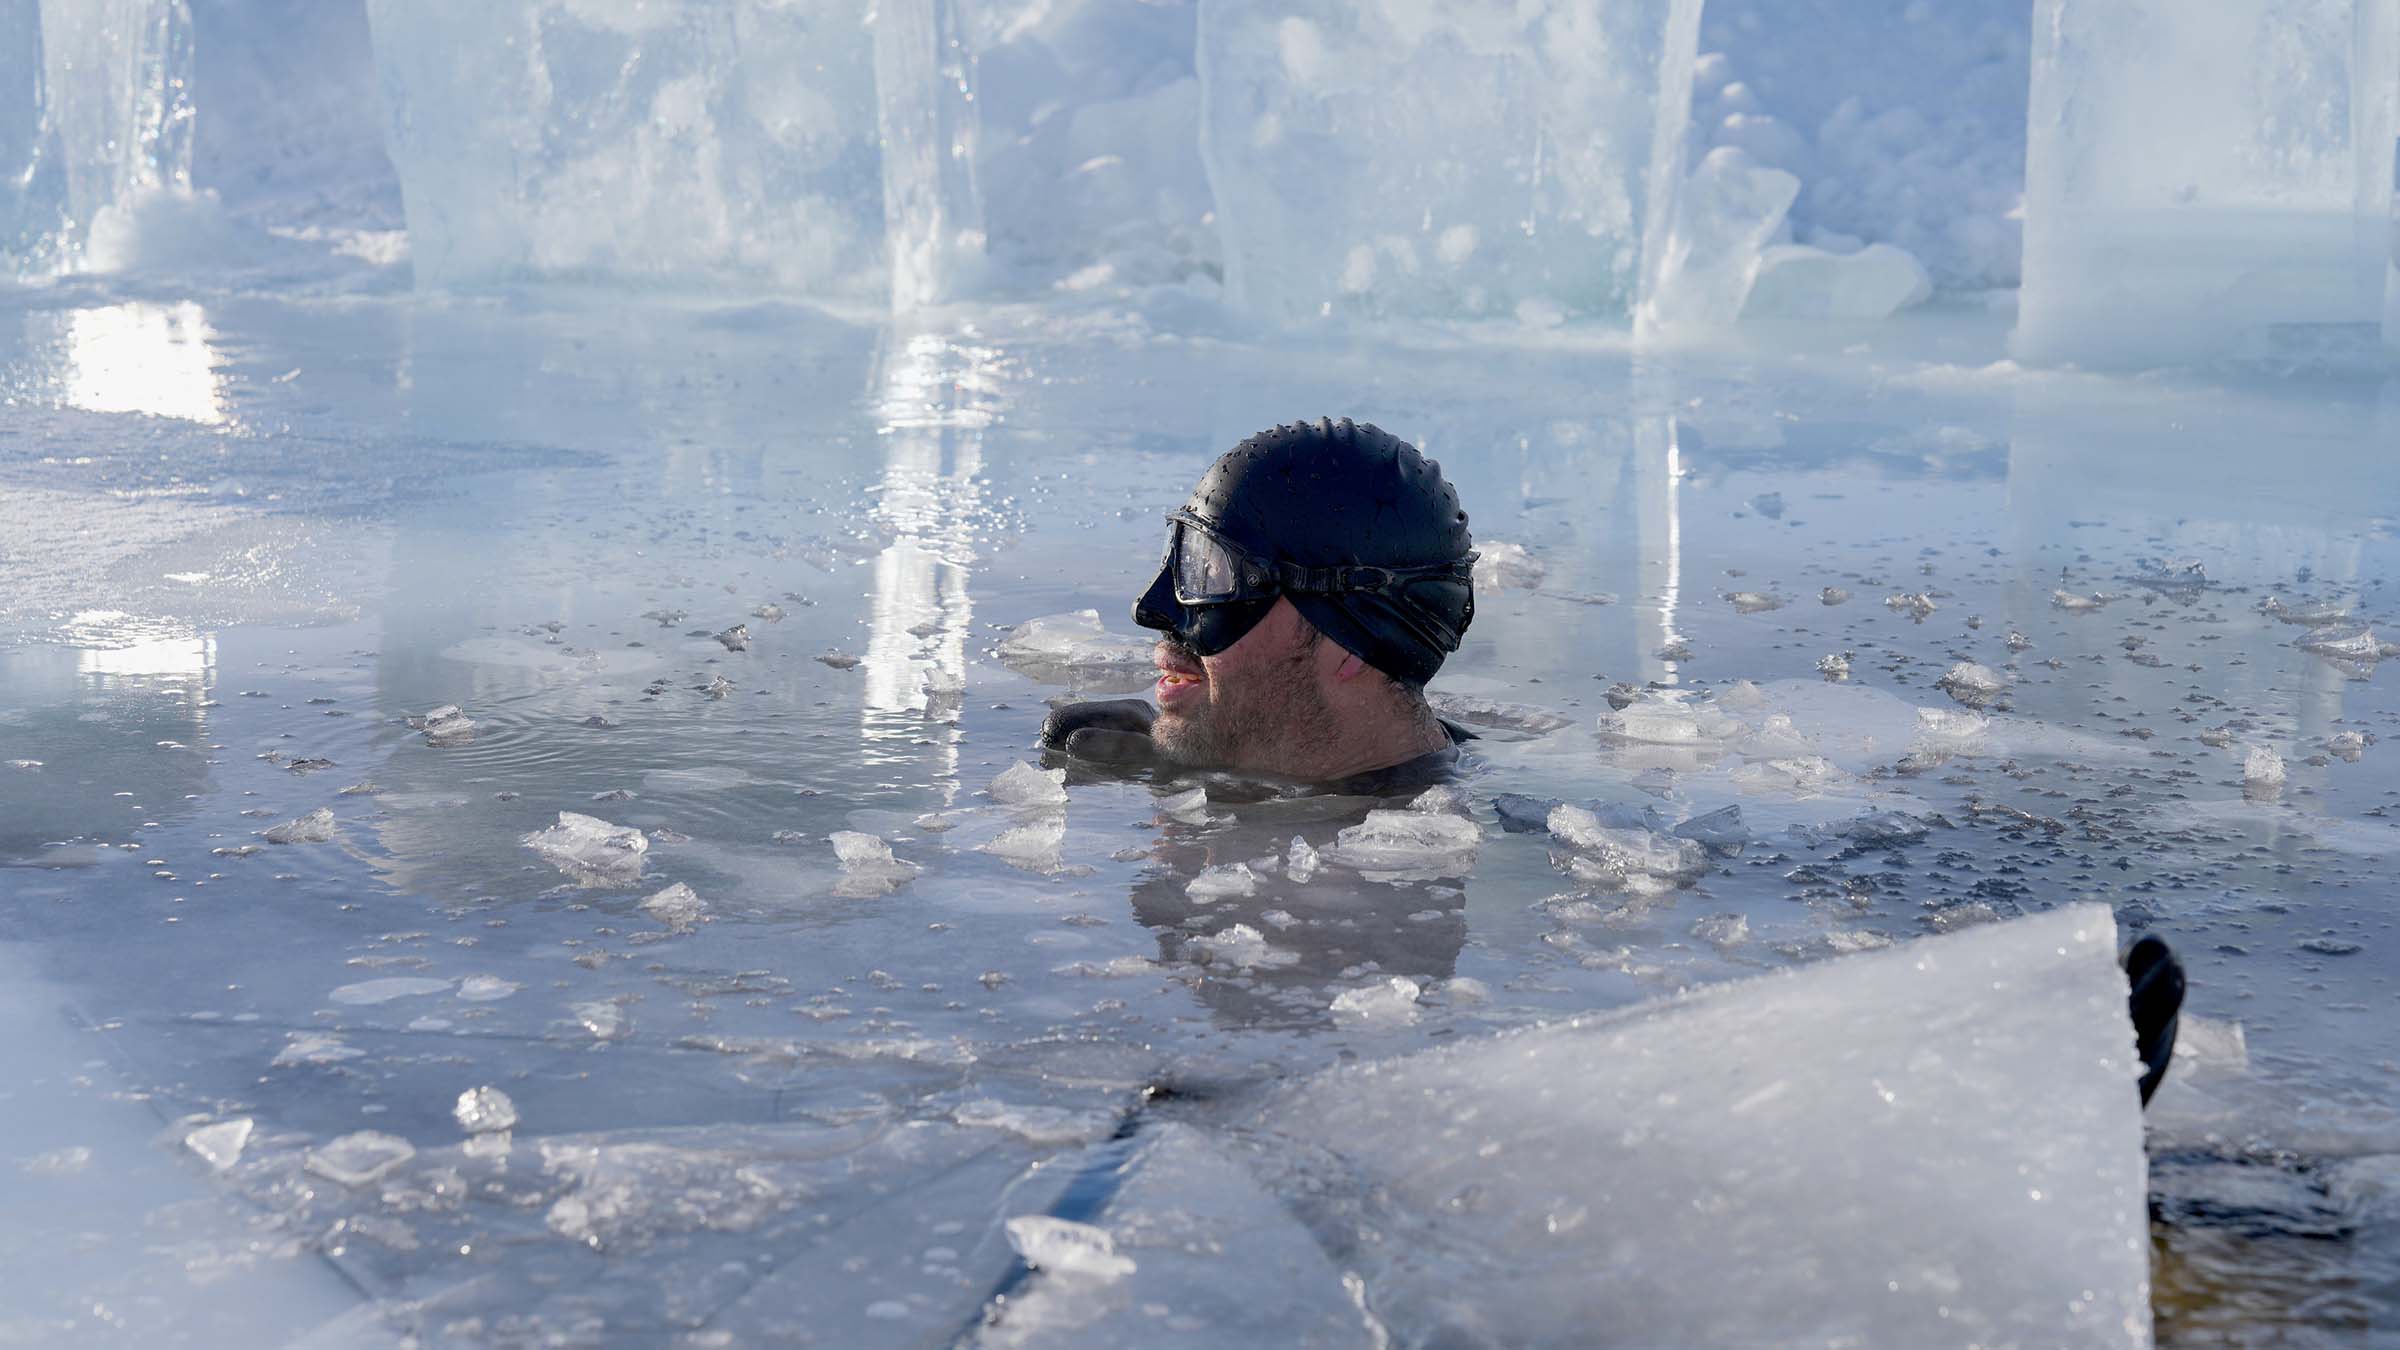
column 1359, row 531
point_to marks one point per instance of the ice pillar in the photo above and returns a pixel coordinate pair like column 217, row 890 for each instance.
column 95, row 108
column 1449, row 159
column 925, row 111
column 2194, row 174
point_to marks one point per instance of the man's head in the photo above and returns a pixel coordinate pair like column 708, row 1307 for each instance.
column 1311, row 586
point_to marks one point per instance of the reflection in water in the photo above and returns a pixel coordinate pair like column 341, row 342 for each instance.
column 937, row 397
column 1658, row 461
column 143, row 358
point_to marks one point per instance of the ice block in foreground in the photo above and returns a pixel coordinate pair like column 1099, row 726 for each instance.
column 2198, row 176
column 711, row 143
column 1936, row 1144
column 1452, row 159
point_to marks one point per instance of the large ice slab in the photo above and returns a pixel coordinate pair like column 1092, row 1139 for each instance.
column 94, row 110
column 1453, row 158
column 2200, row 176
column 671, row 142
column 1937, row 1144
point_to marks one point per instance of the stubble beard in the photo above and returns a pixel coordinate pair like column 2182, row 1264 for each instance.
column 1269, row 721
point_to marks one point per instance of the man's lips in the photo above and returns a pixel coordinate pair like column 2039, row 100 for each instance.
column 1178, row 676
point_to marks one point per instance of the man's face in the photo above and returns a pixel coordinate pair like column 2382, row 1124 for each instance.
column 1259, row 705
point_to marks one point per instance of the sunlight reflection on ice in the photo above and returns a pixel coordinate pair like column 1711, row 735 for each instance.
column 144, row 358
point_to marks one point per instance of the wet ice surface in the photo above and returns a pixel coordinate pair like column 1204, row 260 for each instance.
column 808, row 989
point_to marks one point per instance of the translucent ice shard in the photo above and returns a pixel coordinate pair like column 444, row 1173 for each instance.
column 445, row 726
column 1021, row 784
column 590, row 850
column 925, row 112
column 2196, row 176
column 314, row 828
column 1534, row 181
column 678, row 907
column 1065, row 1247
column 1974, row 685
column 95, row 115
column 485, row 1110
column 220, row 1145
column 1619, row 858
column 1073, row 649
column 1238, row 945
column 1664, row 718
column 1222, row 881
column 1390, row 1002
column 1033, row 847
column 1724, row 218
column 359, row 1159
column 1796, row 281
column 676, row 142
column 1418, row 843
column 1890, row 1148
column 868, row 867
column 1500, row 566
column 2262, row 768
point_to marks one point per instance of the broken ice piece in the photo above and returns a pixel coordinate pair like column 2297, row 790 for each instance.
column 1189, row 807
column 2017, row 641
column 1032, row 847
column 1409, row 841
column 1391, row 1001
column 359, row 1159
column 486, row 989
column 839, row 660
column 1833, row 595
column 664, row 618
column 445, row 726
column 1616, row 856
column 485, row 1110
column 604, row 1021
column 736, row 638
column 1065, row 1247
column 2077, row 604
column 1835, row 667
column 600, row 722
column 1503, row 566
column 771, row 613
column 314, row 828
column 1439, row 799
column 2360, row 645
column 1971, row 684
column 2309, row 616
column 1753, row 602
column 1768, row 504
column 868, row 867
column 1074, row 649
column 1300, row 861
column 1477, row 711
column 1721, row 831
column 590, row 850
column 220, row 1145
column 678, row 907
column 1915, row 605
column 1021, row 784
column 1722, row 930
column 2262, row 768
column 1520, row 814
column 1239, row 945
column 1664, row 719
column 2349, row 745
column 315, row 1047
column 717, row 687
column 1222, row 881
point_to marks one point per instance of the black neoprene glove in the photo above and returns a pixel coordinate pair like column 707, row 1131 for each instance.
column 1106, row 731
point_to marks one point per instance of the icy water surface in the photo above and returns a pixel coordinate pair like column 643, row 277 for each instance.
column 1954, row 643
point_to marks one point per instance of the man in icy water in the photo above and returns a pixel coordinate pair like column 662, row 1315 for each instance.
column 1314, row 582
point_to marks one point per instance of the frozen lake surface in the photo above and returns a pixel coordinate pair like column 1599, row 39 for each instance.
column 2098, row 640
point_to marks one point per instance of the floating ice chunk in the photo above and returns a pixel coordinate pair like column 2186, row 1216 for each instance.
column 1521, row 814
column 1797, row 281
column 1189, row 807
column 1951, row 730
column 590, row 850
column 1833, row 595
column 1539, row 176
column 2348, row 745
column 678, row 907
column 314, row 828
column 1222, row 881
column 832, row 660
column 1663, row 718
column 2077, row 604
column 1495, row 715
column 1617, row 857
column 1971, row 684
column 220, row 1145
column 1073, row 649
column 1033, row 847
column 735, row 639
column 486, row 989
column 1440, row 799
column 1021, row 784
column 1065, row 1247
column 1778, row 736
column 315, row 1047
column 1721, row 831
column 2360, row 645
column 1722, row 931
column 632, row 1192
column 604, row 1021
column 2262, row 768
column 1969, row 1099
column 1743, row 696
column 868, row 867
column 2306, row 616
column 445, row 726
column 485, row 1110
column 359, row 1159
column 385, row 990
column 1753, row 602
column 1731, row 206
column 1916, row 604
column 1300, row 862
column 1239, row 945
column 1504, row 566
column 1798, row 776
column 1834, row 666
column 1408, row 841
column 1048, row 1126
column 1391, row 1001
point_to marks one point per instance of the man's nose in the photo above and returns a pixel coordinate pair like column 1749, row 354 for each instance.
column 1158, row 608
